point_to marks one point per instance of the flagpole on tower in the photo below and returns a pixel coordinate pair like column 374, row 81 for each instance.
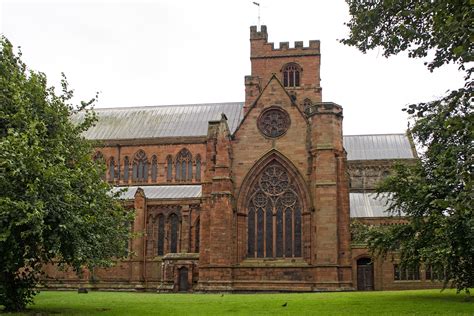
column 258, row 5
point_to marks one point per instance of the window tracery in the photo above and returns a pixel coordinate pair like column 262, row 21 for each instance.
column 184, row 165
column 273, row 122
column 274, row 215
column 291, row 75
column 140, row 167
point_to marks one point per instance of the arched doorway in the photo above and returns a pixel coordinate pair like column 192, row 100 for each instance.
column 365, row 274
column 183, row 284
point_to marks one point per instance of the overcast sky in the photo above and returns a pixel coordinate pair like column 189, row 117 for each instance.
column 141, row 53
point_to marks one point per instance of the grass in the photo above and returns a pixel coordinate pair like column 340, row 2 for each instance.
column 420, row 302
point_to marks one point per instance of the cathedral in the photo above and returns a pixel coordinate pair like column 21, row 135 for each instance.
column 249, row 196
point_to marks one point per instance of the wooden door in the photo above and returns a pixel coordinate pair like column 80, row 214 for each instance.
column 183, row 279
column 365, row 275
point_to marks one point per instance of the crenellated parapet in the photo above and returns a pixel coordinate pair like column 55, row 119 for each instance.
column 261, row 48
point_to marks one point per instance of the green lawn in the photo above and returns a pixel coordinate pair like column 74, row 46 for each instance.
column 422, row 302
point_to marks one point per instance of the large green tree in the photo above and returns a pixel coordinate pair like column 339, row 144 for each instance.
column 436, row 194
column 54, row 206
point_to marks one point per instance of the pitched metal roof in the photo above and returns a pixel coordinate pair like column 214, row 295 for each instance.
column 162, row 191
column 383, row 146
column 369, row 205
column 192, row 120
column 161, row 121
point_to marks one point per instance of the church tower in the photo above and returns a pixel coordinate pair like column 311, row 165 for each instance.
column 297, row 68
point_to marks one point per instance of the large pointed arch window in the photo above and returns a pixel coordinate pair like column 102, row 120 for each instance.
column 140, row 167
column 274, row 211
column 291, row 75
column 184, row 165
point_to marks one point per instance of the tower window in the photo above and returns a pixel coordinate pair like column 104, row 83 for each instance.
column 291, row 75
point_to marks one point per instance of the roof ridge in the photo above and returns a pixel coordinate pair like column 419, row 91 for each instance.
column 167, row 106
column 382, row 134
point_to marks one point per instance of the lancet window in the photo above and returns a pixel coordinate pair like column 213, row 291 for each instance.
column 197, row 237
column 169, row 168
column 198, row 167
column 154, row 168
column 111, row 169
column 274, row 215
column 126, row 168
column 291, row 75
column 184, row 165
column 174, row 232
column 140, row 167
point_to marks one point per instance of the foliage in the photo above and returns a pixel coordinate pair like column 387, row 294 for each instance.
column 417, row 26
column 436, row 194
column 54, row 207
column 424, row 302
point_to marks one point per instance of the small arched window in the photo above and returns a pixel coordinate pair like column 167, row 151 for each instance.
column 140, row 167
column 184, row 165
column 169, row 168
column 291, row 75
column 126, row 167
column 198, row 167
column 154, row 168
column 161, row 235
column 197, row 232
column 111, row 169
column 174, row 232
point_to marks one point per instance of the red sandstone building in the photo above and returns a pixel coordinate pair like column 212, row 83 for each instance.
column 253, row 196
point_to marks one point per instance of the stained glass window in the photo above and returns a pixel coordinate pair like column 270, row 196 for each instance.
column 274, row 202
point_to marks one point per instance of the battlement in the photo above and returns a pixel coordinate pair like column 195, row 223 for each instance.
column 261, row 48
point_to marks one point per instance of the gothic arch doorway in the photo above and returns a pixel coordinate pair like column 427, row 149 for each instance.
column 274, row 208
column 365, row 274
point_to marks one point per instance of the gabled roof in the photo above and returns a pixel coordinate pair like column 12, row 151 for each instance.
column 161, row 121
column 191, row 120
column 382, row 146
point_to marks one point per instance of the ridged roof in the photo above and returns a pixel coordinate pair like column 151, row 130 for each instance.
column 383, row 146
column 191, row 120
column 162, row 191
column 161, row 121
column 368, row 205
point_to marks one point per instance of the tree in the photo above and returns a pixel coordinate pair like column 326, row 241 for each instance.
column 54, row 207
column 436, row 194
